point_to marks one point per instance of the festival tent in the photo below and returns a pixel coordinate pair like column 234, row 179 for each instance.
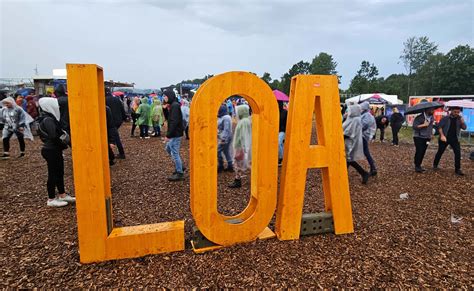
column 280, row 96
column 374, row 98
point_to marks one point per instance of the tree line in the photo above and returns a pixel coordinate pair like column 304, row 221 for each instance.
column 428, row 72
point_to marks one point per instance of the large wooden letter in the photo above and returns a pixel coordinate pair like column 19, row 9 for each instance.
column 320, row 95
column 98, row 239
column 203, row 128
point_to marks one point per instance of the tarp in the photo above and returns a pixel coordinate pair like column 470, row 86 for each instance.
column 460, row 103
column 379, row 98
column 280, row 96
column 468, row 115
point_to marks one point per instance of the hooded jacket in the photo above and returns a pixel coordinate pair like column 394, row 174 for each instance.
column 175, row 117
column 283, row 117
column 117, row 110
column 352, row 127
column 224, row 125
column 369, row 126
column 63, row 102
column 49, row 126
column 144, row 111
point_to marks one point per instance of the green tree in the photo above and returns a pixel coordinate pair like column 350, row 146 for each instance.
column 396, row 84
column 415, row 54
column 299, row 68
column 366, row 79
column 456, row 73
column 267, row 78
column 323, row 64
column 427, row 78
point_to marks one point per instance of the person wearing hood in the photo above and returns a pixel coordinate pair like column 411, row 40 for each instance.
column 185, row 112
column 422, row 134
column 118, row 117
column 353, row 140
column 224, row 139
column 242, row 144
column 368, row 131
column 174, row 133
column 12, row 122
column 157, row 117
column 60, row 93
column 144, row 118
column 31, row 107
column 52, row 151
column 282, row 131
column 396, row 121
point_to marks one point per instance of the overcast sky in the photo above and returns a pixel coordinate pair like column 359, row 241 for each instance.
column 156, row 43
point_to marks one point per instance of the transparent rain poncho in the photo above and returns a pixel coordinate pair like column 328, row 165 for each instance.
column 242, row 141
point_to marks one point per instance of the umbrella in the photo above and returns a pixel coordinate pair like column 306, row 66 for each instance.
column 460, row 103
column 118, row 93
column 422, row 106
column 280, row 96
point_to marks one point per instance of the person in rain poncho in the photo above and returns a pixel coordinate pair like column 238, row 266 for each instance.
column 144, row 118
column 242, row 144
column 369, row 127
column 185, row 113
column 134, row 115
column 157, row 117
column 224, row 139
column 50, row 130
column 353, row 141
column 14, row 121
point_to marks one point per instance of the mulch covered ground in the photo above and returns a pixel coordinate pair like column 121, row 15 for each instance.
column 397, row 243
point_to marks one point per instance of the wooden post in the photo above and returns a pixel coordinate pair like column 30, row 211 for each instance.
column 203, row 129
column 311, row 94
column 97, row 241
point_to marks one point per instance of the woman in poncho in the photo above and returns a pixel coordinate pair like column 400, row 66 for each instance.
column 14, row 121
column 242, row 144
column 143, row 122
column 352, row 127
column 157, row 117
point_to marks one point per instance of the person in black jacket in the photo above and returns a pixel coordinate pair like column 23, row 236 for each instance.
column 174, row 134
column 111, row 134
column 118, row 117
column 60, row 93
column 50, row 130
column 449, row 128
column 382, row 123
column 396, row 121
column 282, row 131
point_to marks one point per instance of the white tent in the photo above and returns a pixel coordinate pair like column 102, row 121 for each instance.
column 391, row 99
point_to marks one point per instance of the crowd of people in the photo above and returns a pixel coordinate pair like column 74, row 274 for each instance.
column 153, row 114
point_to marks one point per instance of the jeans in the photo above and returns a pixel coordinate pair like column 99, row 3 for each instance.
column 118, row 142
column 224, row 148
column 281, row 142
column 421, row 144
column 456, row 149
column 157, row 130
column 143, row 130
column 134, row 122
column 395, row 130
column 382, row 133
column 358, row 167
column 172, row 147
column 55, row 161
column 6, row 141
column 367, row 154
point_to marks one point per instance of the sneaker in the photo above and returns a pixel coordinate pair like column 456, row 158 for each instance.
column 176, row 177
column 5, row 156
column 147, row 137
column 419, row 170
column 459, row 172
column 121, row 157
column 22, row 154
column 236, row 184
column 56, row 203
column 68, row 198
column 435, row 168
column 280, row 162
column 373, row 173
column 365, row 178
column 229, row 169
